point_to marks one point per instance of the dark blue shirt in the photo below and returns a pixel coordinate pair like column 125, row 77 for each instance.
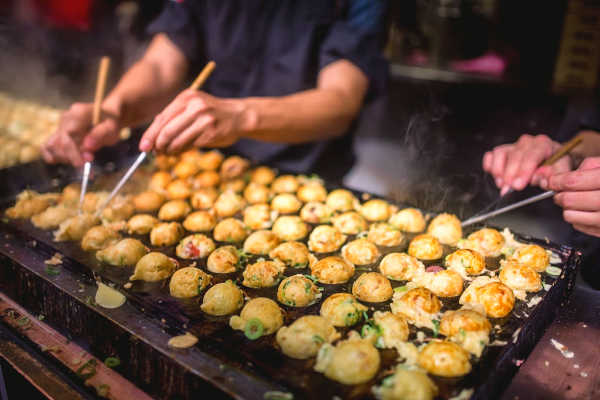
column 275, row 48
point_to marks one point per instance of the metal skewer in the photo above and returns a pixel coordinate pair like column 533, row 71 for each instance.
column 198, row 82
column 561, row 152
column 508, row 208
column 100, row 88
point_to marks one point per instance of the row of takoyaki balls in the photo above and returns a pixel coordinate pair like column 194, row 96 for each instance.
column 257, row 216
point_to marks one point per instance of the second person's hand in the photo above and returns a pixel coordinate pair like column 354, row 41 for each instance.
column 516, row 165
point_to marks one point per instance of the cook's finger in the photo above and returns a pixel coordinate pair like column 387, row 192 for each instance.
column 588, row 230
column 190, row 134
column 513, row 165
column 575, row 217
column 590, row 163
column 582, row 201
column 148, row 140
column 487, row 161
column 70, row 151
column 178, row 125
column 104, row 134
column 498, row 164
column 575, row 181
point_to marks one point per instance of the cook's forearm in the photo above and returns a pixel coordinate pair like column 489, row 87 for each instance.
column 149, row 85
column 324, row 112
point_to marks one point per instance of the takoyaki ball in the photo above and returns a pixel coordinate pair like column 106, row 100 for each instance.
column 178, row 189
column 261, row 242
column 262, row 175
column 98, row 238
column 446, row 228
column 316, row 213
column 407, row 384
column 188, row 282
column 490, row 296
column 312, row 191
column 419, row 306
column 256, row 193
column 383, row 234
column 290, row 227
column 533, row 256
column 210, row 161
column 259, row 216
column 174, row 210
column 153, row 267
column 350, row 362
column 341, row 200
column 228, row 204
column 148, row 201
column 325, row 239
column 332, row 270
column 263, row 274
column 234, row 167
column 206, row 179
column 191, row 156
column 235, row 185
column 164, row 161
column 375, row 210
column 286, row 203
column 360, row 252
column 124, row 253
column 285, row 184
column 298, row 291
column 53, row 216
column 70, row 194
column 75, row 228
column 401, row 267
column 159, row 181
column 520, row 278
column 342, row 309
column 487, row 241
column 166, row 234
column 230, row 230
column 466, row 262
column 195, row 246
column 185, row 169
column 293, row 254
column 425, row 247
column 141, row 224
column 222, row 299
column 30, row 203
column 444, row 283
column 349, row 223
column 305, row 336
column 223, row 260
column 372, row 287
column 120, row 208
column 204, row 198
column 200, row 221
column 468, row 328
column 444, row 358
column 392, row 328
column 408, row 220
column 92, row 201
column 259, row 317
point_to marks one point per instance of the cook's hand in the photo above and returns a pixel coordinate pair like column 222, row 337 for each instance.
column 198, row 119
column 75, row 141
column 579, row 195
column 516, row 165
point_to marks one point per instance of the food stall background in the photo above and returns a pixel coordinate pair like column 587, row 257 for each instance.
column 464, row 76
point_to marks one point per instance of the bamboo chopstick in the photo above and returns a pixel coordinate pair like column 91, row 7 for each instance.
column 100, row 88
column 563, row 151
column 203, row 75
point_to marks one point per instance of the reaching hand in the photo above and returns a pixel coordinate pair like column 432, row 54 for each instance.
column 517, row 165
column 198, row 119
column 579, row 195
column 75, row 140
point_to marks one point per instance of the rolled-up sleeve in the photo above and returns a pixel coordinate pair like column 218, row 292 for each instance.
column 176, row 21
column 359, row 38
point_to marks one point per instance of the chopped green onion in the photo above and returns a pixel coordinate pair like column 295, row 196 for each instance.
column 436, row 327
column 276, row 395
column 254, row 329
column 318, row 339
column 52, row 271
column 401, row 289
column 554, row 271
column 112, row 362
